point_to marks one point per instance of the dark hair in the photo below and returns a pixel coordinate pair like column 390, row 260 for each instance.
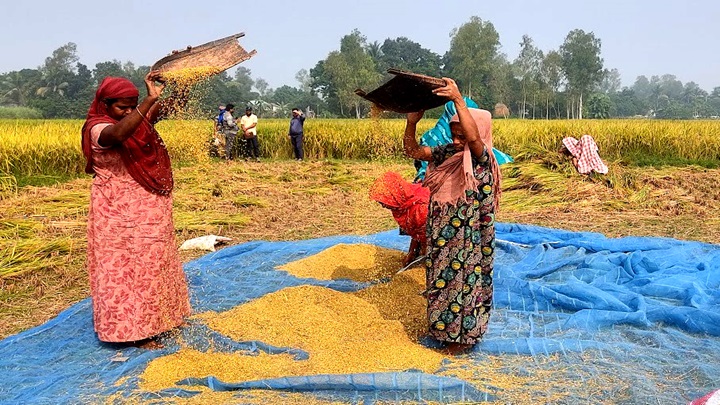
column 110, row 101
column 248, row 108
column 296, row 109
column 229, row 106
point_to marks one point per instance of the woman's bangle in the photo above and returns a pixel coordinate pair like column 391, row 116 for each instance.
column 140, row 112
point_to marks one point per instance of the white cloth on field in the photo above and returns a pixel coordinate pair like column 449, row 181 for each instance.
column 206, row 242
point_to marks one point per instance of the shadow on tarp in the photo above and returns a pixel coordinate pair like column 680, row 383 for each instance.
column 645, row 309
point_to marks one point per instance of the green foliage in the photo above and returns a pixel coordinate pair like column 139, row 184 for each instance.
column 19, row 113
column 538, row 84
column 402, row 53
column 528, row 68
column 599, row 106
column 582, row 64
column 471, row 58
column 348, row 69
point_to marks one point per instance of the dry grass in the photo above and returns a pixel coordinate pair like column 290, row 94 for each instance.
column 280, row 200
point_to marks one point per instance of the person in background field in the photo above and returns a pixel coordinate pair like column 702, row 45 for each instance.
column 408, row 203
column 219, row 118
column 230, row 130
column 296, row 133
column 584, row 154
column 464, row 182
column 217, row 145
column 248, row 124
column 137, row 283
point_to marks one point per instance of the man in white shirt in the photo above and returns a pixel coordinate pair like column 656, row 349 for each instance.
column 248, row 124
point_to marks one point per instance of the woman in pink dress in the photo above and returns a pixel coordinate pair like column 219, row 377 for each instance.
column 137, row 284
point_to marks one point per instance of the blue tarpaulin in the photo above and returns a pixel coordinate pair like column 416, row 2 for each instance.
column 644, row 309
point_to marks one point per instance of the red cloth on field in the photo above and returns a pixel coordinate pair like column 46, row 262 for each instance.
column 585, row 151
column 144, row 154
column 712, row 398
column 407, row 201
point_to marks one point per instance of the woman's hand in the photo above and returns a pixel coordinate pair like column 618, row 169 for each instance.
column 154, row 90
column 449, row 91
column 415, row 117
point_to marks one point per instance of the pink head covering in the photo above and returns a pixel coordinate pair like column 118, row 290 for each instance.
column 572, row 145
column 449, row 181
column 586, row 152
column 483, row 120
column 144, row 154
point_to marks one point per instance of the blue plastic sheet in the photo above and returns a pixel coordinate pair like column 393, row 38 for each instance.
column 645, row 309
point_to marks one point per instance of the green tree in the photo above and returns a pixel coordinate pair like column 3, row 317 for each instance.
column 473, row 50
column 402, row 53
column 582, row 65
column 626, row 103
column 611, row 81
column 352, row 68
column 528, row 69
column 58, row 69
column 262, row 87
column 19, row 86
column 243, row 80
column 714, row 102
column 111, row 68
column 503, row 85
column 304, row 79
column 322, row 85
column 697, row 99
column 599, row 106
column 374, row 49
column 642, row 88
column 552, row 79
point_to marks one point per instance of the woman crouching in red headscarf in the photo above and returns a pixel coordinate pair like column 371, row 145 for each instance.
column 137, row 284
column 408, row 203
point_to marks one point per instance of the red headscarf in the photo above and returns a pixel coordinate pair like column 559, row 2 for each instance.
column 143, row 153
column 407, row 201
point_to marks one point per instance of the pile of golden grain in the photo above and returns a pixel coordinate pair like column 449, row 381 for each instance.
column 358, row 262
column 372, row 330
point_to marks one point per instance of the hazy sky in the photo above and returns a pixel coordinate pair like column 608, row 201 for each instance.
column 649, row 37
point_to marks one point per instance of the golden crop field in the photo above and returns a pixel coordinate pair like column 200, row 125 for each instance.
column 32, row 147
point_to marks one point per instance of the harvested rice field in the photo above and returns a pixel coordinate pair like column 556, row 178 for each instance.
column 281, row 200
column 42, row 238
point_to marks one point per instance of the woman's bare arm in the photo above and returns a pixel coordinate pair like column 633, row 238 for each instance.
column 410, row 145
column 469, row 128
column 118, row 133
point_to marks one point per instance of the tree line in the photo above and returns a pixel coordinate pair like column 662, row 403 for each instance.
column 569, row 82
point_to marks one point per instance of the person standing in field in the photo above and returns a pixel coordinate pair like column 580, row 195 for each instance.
column 219, row 118
column 464, row 182
column 296, row 133
column 248, row 124
column 230, row 130
column 217, row 145
column 137, row 283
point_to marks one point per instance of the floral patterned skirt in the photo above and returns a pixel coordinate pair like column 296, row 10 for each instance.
column 459, row 270
column 137, row 284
